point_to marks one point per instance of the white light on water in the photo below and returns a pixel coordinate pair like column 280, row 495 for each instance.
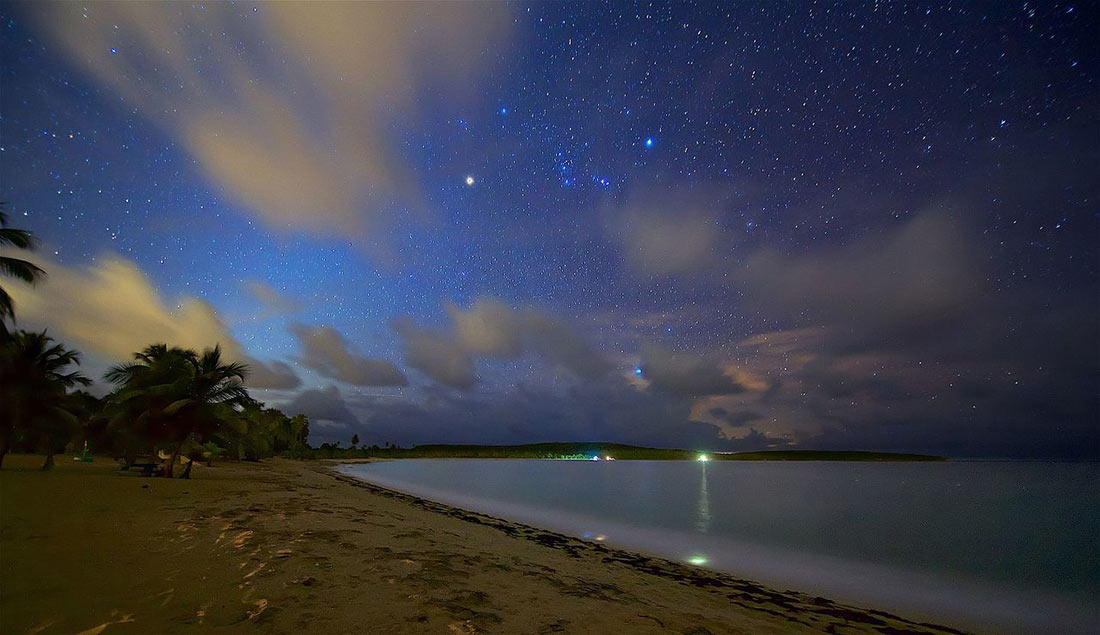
column 703, row 457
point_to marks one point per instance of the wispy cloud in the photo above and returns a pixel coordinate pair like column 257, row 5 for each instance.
column 289, row 108
column 325, row 350
column 491, row 328
column 112, row 308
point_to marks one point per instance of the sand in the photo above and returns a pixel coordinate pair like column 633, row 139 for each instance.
column 294, row 547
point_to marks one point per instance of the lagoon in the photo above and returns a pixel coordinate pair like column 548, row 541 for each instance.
column 998, row 546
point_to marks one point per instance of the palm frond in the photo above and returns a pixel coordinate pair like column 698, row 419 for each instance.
column 21, row 269
column 6, row 307
column 19, row 238
column 120, row 373
column 176, row 406
column 74, row 378
column 236, row 370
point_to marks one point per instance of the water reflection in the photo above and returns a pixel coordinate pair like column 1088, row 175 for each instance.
column 702, row 521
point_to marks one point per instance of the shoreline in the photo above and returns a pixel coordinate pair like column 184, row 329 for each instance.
column 288, row 546
column 744, row 593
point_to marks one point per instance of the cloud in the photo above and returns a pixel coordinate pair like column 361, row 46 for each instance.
column 490, row 328
column 291, row 108
column 274, row 301
column 274, row 375
column 925, row 271
column 669, row 234
column 736, row 419
column 327, row 352
column 685, row 373
column 328, row 413
column 112, row 308
column 436, row 354
column 901, row 343
column 603, row 410
column 607, row 410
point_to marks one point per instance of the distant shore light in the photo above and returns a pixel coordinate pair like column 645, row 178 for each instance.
column 697, row 560
column 703, row 457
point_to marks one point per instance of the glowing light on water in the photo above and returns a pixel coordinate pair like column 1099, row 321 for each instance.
column 703, row 457
column 702, row 522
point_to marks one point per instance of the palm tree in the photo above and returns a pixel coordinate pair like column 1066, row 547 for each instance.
column 33, row 389
column 134, row 409
column 177, row 396
column 26, row 271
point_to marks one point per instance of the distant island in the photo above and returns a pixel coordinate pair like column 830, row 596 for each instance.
column 613, row 451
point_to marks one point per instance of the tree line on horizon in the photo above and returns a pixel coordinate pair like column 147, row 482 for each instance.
column 168, row 399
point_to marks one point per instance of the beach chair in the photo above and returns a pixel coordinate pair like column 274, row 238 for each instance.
column 144, row 469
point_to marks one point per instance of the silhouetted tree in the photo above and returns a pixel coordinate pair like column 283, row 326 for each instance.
column 354, row 440
column 174, row 395
column 34, row 401
column 16, row 268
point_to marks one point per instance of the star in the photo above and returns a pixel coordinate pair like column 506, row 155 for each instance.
column 649, row 142
column 470, row 181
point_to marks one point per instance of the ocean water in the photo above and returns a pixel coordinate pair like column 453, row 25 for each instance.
column 989, row 546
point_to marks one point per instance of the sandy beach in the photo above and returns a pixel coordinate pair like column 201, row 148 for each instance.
column 284, row 546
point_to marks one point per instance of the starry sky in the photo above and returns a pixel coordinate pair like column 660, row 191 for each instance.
column 722, row 226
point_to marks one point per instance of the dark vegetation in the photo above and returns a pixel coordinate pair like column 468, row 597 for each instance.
column 168, row 403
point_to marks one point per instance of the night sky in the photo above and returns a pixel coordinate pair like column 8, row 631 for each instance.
column 735, row 226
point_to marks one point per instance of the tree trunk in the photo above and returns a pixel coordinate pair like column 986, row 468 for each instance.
column 4, row 444
column 48, row 465
column 187, row 470
column 171, row 468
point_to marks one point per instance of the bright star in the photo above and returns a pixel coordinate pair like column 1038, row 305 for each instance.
column 649, row 142
column 503, row 110
column 470, row 181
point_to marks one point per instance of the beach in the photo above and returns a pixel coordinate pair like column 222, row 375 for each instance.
column 293, row 546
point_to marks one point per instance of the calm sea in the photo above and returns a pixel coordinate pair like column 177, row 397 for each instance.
column 984, row 545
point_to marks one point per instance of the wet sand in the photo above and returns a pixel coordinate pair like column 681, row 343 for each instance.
column 284, row 546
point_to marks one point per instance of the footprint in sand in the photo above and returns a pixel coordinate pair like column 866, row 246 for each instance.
column 255, row 571
column 241, row 539
column 96, row 630
column 258, row 607
column 43, row 626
